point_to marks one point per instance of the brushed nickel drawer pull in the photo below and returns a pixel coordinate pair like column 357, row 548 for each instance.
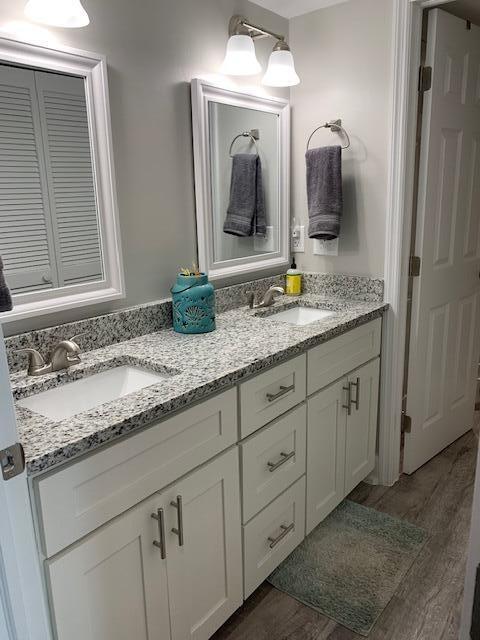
column 179, row 530
column 273, row 466
column 283, row 390
column 356, row 402
column 160, row 518
column 348, row 406
column 285, row 531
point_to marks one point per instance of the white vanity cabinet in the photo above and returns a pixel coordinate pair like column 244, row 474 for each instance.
column 341, row 434
column 162, row 535
column 113, row 585
column 117, row 585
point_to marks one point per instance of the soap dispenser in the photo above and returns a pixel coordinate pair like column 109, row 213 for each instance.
column 293, row 285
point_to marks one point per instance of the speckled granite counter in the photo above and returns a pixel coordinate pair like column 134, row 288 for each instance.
column 244, row 343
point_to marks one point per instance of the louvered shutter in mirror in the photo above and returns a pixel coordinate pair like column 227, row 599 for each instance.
column 63, row 114
column 25, row 226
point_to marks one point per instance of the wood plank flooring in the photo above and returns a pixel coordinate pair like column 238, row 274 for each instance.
column 427, row 605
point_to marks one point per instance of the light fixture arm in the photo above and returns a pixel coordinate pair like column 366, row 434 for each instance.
column 240, row 25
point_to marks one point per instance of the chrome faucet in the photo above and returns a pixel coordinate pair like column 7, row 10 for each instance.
column 268, row 298
column 65, row 354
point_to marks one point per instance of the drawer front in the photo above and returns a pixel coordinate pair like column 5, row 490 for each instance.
column 337, row 357
column 268, row 395
column 272, row 535
column 272, row 460
column 78, row 499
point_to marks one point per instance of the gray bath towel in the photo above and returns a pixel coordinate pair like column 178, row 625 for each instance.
column 324, row 192
column 246, row 209
column 5, row 297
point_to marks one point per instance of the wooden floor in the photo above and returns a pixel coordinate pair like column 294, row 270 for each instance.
column 427, row 605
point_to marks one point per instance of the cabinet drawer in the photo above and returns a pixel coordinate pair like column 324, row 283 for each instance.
column 270, row 394
column 337, row 357
column 85, row 495
column 272, row 460
column 272, row 535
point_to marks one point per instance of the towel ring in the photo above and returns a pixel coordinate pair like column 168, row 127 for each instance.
column 333, row 125
column 252, row 134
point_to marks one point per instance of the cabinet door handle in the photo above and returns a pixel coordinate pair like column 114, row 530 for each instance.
column 160, row 544
column 285, row 531
column 283, row 390
column 348, row 406
column 179, row 529
column 273, row 466
column 356, row 402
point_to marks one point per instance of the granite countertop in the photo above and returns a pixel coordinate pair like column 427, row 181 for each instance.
column 195, row 366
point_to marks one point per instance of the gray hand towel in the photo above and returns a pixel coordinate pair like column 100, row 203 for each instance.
column 5, row 297
column 324, row 192
column 246, row 209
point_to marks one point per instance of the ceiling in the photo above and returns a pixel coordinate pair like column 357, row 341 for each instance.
column 468, row 9
column 292, row 8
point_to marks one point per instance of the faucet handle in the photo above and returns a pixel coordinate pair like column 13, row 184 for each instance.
column 74, row 338
column 35, row 361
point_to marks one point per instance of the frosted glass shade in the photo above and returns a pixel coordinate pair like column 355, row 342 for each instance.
column 281, row 70
column 58, row 13
column 240, row 58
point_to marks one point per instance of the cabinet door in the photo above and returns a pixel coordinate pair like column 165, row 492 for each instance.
column 113, row 585
column 362, row 424
column 205, row 573
column 326, row 424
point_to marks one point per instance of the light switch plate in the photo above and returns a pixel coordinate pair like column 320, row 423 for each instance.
column 298, row 239
column 325, row 247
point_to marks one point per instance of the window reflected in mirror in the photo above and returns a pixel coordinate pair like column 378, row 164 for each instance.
column 49, row 226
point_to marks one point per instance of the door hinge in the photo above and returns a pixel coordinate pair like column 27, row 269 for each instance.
column 12, row 461
column 406, row 423
column 425, row 79
column 414, row 264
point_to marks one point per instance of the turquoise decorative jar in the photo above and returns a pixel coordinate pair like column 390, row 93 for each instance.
column 193, row 304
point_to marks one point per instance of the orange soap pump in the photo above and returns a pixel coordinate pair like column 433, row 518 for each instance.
column 293, row 284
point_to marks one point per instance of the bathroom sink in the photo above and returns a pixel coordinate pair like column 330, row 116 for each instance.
column 301, row 316
column 82, row 395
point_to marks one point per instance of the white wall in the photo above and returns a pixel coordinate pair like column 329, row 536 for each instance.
column 343, row 55
column 154, row 48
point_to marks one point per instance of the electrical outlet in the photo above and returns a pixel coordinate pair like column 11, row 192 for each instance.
column 298, row 239
column 325, row 247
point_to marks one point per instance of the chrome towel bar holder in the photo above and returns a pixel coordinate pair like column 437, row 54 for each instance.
column 253, row 134
column 336, row 127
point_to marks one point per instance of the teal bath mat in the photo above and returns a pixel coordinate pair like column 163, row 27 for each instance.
column 350, row 566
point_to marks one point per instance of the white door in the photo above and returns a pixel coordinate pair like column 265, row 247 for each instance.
column 205, row 572
column 360, row 442
column 113, row 585
column 326, row 424
column 444, row 346
column 22, row 608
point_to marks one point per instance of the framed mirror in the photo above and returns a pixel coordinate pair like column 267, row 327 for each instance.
column 242, row 176
column 59, row 236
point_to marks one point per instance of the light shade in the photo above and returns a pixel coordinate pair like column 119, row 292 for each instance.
column 58, row 13
column 281, row 70
column 240, row 58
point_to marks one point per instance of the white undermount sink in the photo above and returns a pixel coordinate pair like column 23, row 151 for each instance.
column 92, row 391
column 300, row 316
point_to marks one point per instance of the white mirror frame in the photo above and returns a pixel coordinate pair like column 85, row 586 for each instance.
column 92, row 67
column 204, row 92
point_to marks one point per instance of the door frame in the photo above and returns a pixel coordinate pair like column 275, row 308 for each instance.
column 407, row 30
column 22, row 592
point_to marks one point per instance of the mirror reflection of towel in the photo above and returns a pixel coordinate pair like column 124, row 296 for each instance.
column 324, row 192
column 5, row 297
column 246, row 209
